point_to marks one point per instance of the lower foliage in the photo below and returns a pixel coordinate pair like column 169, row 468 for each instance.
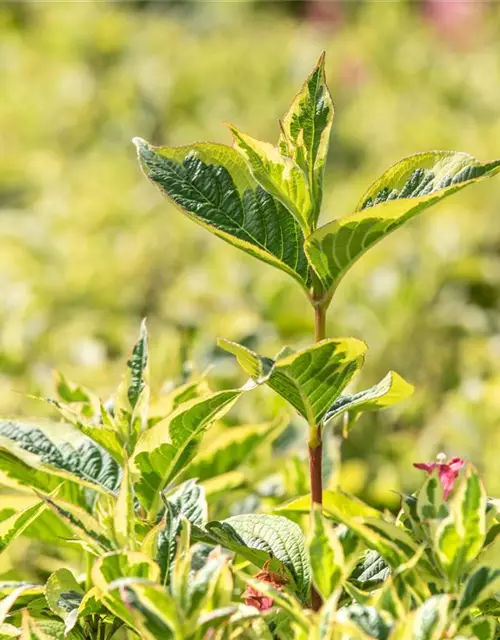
column 120, row 482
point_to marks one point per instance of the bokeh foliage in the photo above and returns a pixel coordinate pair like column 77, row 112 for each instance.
column 87, row 248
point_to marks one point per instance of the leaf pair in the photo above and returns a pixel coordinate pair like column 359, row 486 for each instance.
column 312, row 379
column 266, row 200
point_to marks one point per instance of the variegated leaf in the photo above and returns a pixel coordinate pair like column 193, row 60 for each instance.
column 213, row 187
column 406, row 189
column 305, row 132
column 310, row 379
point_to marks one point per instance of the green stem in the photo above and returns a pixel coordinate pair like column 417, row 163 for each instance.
column 316, row 443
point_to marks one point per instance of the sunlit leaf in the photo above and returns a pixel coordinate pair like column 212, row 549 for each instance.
column 124, row 515
column 230, row 448
column 278, row 175
column 333, row 501
column 61, row 450
column 15, row 525
column 167, row 447
column 85, row 526
column 407, row 188
column 480, row 585
column 366, row 619
column 305, row 131
column 213, row 186
column 460, row 537
column 261, row 537
column 153, row 610
column 325, row 556
column 388, row 392
column 310, row 379
column 64, row 596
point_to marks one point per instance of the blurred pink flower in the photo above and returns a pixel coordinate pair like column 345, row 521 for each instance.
column 448, row 472
column 255, row 598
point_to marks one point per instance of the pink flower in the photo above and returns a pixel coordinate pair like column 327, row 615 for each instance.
column 255, row 598
column 447, row 471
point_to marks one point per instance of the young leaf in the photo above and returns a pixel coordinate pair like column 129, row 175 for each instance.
column 164, row 450
column 386, row 393
column 15, row 525
column 138, row 367
column 61, row 450
column 64, row 596
column 310, row 379
column 213, row 186
column 278, row 175
column 407, row 188
column 325, row 556
column 305, row 131
column 261, row 537
column 460, row 537
column 132, row 398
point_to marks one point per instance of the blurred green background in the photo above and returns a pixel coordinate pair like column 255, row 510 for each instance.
column 88, row 247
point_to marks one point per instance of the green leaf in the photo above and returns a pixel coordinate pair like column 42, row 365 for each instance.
column 371, row 571
column 30, row 629
column 260, row 538
column 393, row 543
column 231, row 448
column 153, row 610
column 332, row 502
column 187, row 501
column 367, row 619
column 326, row 556
column 64, row 596
column 431, row 619
column 481, row 629
column 164, row 450
column 86, row 527
column 108, row 438
column 138, row 367
column 61, row 450
column 481, row 585
column 132, row 397
column 460, row 537
column 110, row 569
column 278, row 175
column 430, row 503
column 7, row 602
column 305, row 131
column 386, row 393
column 124, row 514
column 310, row 379
column 16, row 524
column 407, row 188
column 194, row 579
column 213, row 186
